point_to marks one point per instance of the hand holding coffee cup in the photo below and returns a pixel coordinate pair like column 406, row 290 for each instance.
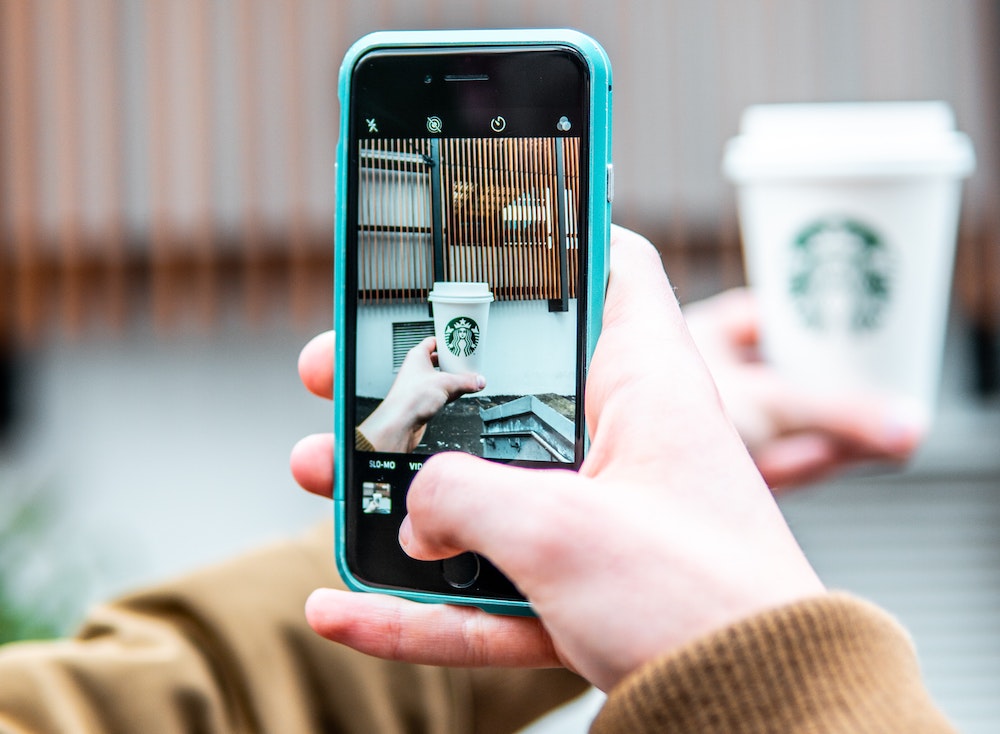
column 461, row 316
column 849, row 215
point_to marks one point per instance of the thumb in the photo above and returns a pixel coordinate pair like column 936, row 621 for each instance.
column 459, row 503
column 457, row 385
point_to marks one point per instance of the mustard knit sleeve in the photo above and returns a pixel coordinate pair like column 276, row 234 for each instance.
column 828, row 664
column 226, row 650
column 361, row 442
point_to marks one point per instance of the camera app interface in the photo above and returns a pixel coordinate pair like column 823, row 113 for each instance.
column 464, row 265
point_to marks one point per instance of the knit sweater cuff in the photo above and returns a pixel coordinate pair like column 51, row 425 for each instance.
column 827, row 664
column 361, row 442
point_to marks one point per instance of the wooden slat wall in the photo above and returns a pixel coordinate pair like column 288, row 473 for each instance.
column 21, row 263
column 162, row 156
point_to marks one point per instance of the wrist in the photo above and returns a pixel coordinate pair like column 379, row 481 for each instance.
column 385, row 432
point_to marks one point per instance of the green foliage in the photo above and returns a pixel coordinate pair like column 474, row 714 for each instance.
column 18, row 623
column 36, row 599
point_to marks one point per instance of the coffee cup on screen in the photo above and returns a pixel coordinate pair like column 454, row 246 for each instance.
column 849, row 215
column 461, row 316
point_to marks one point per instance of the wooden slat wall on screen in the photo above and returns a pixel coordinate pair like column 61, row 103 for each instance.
column 499, row 216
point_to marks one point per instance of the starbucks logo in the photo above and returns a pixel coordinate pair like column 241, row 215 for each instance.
column 461, row 336
column 840, row 276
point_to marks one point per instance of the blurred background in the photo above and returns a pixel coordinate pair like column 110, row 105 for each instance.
column 166, row 219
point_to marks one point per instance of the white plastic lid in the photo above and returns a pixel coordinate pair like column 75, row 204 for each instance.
column 848, row 140
column 460, row 292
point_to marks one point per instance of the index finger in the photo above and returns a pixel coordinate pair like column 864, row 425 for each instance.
column 429, row 634
column 512, row 507
column 316, row 365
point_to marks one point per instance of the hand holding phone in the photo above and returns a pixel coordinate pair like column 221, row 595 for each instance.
column 474, row 209
column 665, row 534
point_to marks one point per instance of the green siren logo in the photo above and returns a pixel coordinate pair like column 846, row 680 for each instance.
column 461, row 336
column 839, row 277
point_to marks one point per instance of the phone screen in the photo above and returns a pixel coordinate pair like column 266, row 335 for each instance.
column 466, row 254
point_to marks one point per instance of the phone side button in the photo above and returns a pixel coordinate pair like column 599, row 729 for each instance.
column 462, row 571
column 611, row 182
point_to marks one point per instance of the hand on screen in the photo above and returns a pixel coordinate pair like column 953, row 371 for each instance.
column 418, row 393
column 397, row 424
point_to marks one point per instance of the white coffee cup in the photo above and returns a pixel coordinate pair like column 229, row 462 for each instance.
column 849, row 214
column 461, row 315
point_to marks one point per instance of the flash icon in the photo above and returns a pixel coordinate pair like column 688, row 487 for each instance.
column 372, row 125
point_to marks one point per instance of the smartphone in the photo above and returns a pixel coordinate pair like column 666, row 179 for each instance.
column 474, row 193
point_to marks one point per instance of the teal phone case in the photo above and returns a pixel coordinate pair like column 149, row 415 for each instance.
column 600, row 173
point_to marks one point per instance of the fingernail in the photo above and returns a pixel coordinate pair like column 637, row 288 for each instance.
column 405, row 533
column 907, row 425
column 319, row 595
column 317, row 602
column 480, row 382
